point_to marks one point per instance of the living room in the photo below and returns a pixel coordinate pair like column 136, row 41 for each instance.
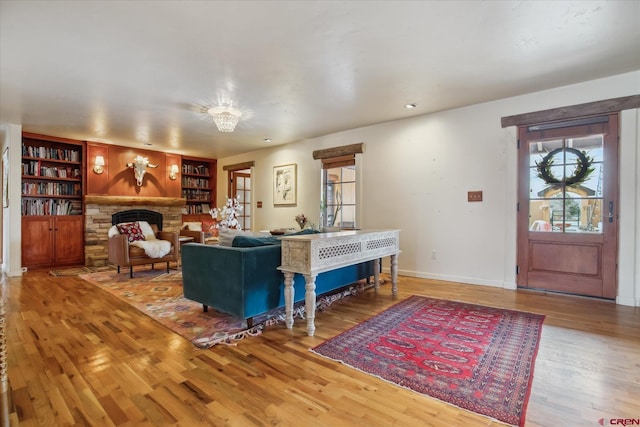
column 414, row 174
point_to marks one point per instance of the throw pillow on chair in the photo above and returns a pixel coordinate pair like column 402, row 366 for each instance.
column 132, row 230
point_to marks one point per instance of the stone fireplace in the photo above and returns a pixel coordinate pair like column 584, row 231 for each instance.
column 98, row 211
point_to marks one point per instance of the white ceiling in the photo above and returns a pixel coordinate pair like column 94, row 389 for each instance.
column 142, row 71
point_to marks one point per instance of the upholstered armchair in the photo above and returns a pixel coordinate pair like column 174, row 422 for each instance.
column 202, row 232
column 128, row 248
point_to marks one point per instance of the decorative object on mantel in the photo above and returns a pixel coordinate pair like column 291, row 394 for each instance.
column 139, row 166
column 229, row 214
column 225, row 117
column 584, row 167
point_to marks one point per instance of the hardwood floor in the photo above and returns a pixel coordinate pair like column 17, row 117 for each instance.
column 79, row 356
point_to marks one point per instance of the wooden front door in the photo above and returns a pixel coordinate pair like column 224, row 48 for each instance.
column 567, row 206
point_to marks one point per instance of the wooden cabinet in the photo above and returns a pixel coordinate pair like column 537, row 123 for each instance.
column 52, row 240
column 52, row 211
column 198, row 184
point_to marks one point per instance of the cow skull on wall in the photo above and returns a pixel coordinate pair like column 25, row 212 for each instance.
column 139, row 166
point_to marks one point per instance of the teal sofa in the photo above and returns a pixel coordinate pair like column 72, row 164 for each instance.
column 245, row 281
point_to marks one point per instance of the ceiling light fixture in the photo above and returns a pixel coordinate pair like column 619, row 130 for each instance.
column 410, row 106
column 267, row 140
column 225, row 117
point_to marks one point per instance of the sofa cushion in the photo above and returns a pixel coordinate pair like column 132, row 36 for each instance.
column 250, row 242
column 226, row 235
column 132, row 230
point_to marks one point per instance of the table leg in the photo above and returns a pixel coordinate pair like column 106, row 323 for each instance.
column 394, row 274
column 288, row 299
column 376, row 274
column 310, row 303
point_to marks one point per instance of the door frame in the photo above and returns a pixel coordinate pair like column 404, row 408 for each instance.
column 607, row 242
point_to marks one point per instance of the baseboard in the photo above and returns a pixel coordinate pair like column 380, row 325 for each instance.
column 448, row 278
column 630, row 301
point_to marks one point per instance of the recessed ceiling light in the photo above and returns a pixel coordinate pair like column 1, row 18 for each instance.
column 267, row 140
column 148, row 144
column 410, row 106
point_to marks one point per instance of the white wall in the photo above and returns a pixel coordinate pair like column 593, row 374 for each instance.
column 416, row 173
column 11, row 136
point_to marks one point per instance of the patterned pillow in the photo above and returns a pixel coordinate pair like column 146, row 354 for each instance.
column 132, row 230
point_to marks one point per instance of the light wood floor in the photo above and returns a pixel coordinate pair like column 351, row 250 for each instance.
column 79, row 356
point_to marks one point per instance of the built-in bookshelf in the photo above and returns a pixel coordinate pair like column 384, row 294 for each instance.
column 51, row 176
column 51, row 205
column 198, row 184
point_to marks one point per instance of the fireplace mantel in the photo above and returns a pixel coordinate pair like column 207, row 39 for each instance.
column 134, row 201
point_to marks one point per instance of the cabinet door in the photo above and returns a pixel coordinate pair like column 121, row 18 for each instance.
column 37, row 242
column 69, row 240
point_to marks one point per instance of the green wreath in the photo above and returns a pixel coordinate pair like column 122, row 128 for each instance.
column 583, row 169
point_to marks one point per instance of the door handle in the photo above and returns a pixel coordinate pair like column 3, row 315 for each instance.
column 610, row 211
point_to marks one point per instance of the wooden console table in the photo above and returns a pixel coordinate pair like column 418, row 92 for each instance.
column 312, row 254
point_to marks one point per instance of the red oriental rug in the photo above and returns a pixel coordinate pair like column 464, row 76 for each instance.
column 475, row 357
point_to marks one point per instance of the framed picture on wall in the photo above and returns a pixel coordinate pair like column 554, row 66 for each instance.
column 285, row 185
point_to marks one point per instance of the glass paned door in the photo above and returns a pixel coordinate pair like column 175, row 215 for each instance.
column 565, row 185
column 241, row 187
column 567, row 198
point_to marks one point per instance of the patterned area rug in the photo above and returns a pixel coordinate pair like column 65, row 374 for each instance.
column 158, row 294
column 478, row 358
column 76, row 271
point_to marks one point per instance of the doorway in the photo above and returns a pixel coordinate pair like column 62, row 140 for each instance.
column 240, row 185
column 567, row 206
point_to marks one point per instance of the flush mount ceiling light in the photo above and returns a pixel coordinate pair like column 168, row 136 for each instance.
column 410, row 106
column 225, row 117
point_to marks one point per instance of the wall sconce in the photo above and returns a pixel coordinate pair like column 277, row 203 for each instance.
column 99, row 165
column 173, row 172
